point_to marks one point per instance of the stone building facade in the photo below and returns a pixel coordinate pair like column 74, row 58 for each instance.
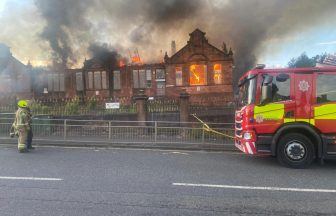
column 202, row 70
column 199, row 69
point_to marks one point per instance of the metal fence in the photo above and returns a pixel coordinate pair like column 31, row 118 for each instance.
column 153, row 132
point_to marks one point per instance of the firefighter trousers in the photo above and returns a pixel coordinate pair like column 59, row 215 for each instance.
column 22, row 141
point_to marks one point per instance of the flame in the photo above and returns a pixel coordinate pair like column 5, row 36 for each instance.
column 198, row 75
column 37, row 63
column 121, row 63
column 136, row 60
column 217, row 67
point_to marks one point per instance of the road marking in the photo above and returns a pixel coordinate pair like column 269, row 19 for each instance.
column 30, row 178
column 175, row 152
column 257, row 188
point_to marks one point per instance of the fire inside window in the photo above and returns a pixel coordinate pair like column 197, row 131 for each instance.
column 218, row 74
column 198, row 75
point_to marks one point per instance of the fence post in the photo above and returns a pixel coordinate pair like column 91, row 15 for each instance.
column 184, row 106
column 109, row 131
column 184, row 112
column 203, row 135
column 65, row 129
column 141, row 103
column 155, row 131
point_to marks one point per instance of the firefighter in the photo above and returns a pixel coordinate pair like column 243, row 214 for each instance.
column 21, row 125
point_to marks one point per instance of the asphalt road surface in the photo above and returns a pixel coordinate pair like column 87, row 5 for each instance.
column 65, row 181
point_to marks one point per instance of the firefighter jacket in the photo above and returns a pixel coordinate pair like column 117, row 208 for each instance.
column 22, row 120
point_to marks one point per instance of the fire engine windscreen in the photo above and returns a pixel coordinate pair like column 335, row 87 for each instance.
column 247, row 90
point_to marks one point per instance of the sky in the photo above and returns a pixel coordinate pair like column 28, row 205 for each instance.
column 23, row 22
column 317, row 40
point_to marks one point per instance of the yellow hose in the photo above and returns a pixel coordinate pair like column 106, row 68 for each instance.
column 208, row 129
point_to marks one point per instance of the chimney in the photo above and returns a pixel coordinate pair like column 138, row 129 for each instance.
column 173, row 48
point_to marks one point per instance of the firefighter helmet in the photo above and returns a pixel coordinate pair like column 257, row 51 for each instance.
column 23, row 104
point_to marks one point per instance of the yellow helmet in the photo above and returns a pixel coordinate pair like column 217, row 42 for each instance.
column 23, row 104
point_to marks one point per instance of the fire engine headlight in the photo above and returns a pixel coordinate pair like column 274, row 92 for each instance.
column 247, row 135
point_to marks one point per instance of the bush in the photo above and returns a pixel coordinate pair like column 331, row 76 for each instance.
column 38, row 108
column 72, row 107
column 91, row 104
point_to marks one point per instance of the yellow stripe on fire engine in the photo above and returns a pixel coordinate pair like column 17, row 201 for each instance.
column 327, row 111
column 309, row 121
column 270, row 111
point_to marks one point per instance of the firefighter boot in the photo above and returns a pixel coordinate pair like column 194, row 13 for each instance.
column 22, row 148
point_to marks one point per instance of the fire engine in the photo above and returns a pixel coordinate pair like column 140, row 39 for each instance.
column 289, row 113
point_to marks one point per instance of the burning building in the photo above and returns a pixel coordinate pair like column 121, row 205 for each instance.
column 199, row 68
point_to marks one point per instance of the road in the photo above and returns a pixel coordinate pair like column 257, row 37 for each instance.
column 79, row 181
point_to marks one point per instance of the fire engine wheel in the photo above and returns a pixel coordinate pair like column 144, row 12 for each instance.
column 295, row 150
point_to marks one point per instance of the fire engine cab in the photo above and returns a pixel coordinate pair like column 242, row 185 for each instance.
column 288, row 113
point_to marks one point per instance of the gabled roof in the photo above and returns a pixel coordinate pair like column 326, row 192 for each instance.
column 193, row 35
column 197, row 31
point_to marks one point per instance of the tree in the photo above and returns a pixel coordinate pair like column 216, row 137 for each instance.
column 304, row 61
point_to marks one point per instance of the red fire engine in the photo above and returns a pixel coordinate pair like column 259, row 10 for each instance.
column 288, row 113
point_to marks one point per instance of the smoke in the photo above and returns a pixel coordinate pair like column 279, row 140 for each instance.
column 244, row 24
column 247, row 25
column 65, row 21
column 106, row 54
column 70, row 26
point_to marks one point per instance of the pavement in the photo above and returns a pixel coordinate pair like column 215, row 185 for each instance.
column 100, row 181
column 94, row 142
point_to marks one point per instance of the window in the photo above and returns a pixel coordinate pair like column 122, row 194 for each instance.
column 160, row 74
column 90, row 80
column 56, row 83
column 116, row 80
column 326, row 89
column 135, row 79
column 139, row 79
column 218, row 74
column 142, row 78
column 104, row 80
column 161, row 88
column 198, row 75
column 280, row 89
column 97, row 80
column 178, row 74
column 149, row 78
column 61, row 83
column 79, row 81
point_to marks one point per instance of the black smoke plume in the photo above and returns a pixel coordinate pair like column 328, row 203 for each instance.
column 64, row 21
column 150, row 25
column 105, row 55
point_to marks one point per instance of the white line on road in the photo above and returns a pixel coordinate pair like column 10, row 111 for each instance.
column 257, row 188
column 29, row 178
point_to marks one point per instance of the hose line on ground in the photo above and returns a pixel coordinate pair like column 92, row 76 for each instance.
column 208, row 129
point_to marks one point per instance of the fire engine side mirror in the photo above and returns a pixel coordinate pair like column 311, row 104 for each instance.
column 267, row 80
column 266, row 94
